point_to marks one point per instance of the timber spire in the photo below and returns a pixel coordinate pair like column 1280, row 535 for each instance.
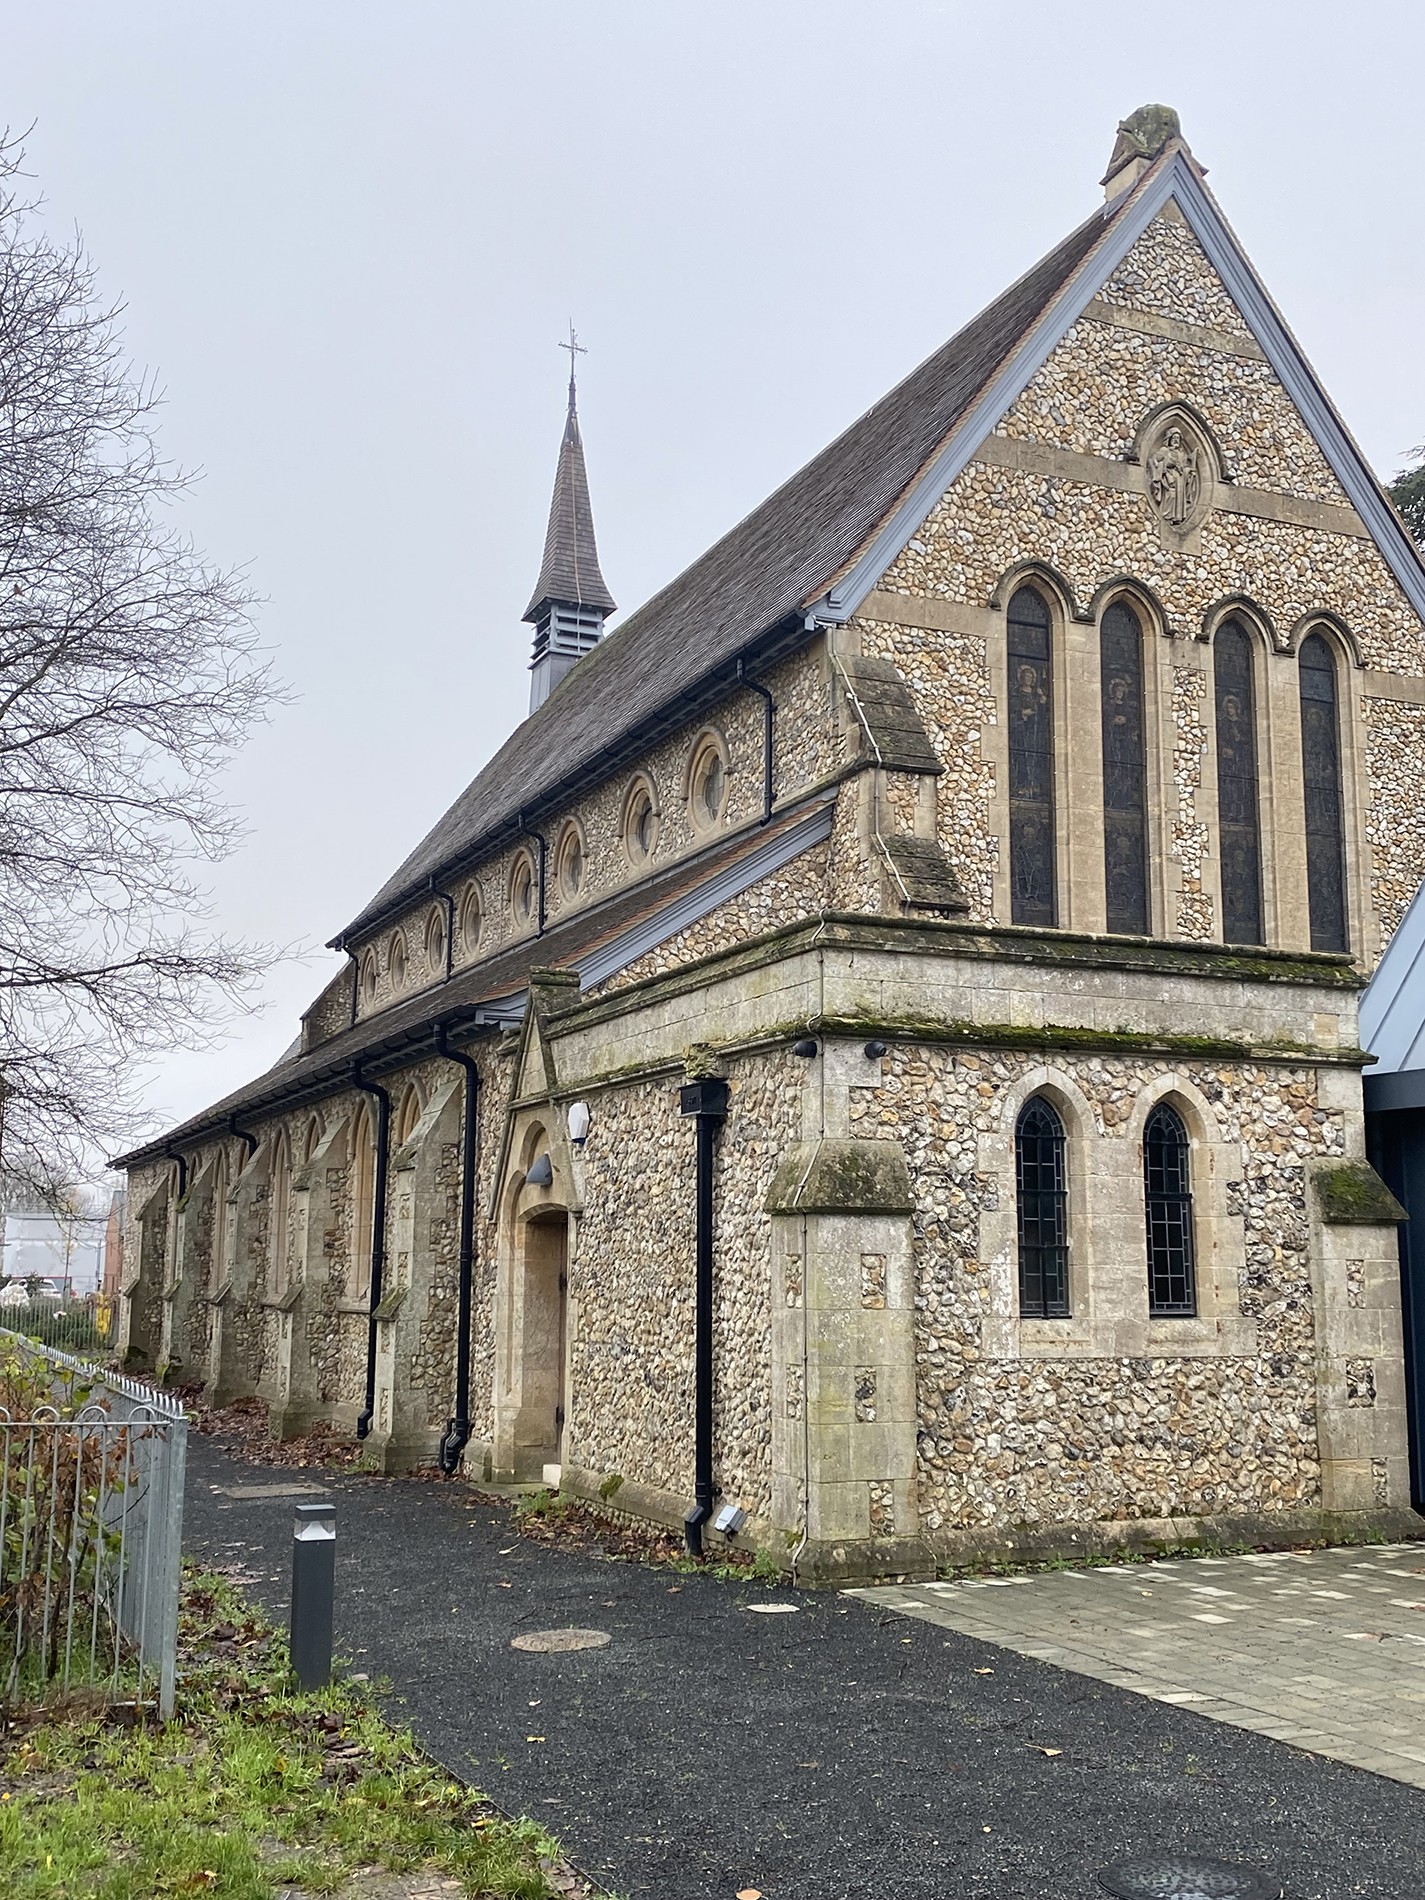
column 571, row 599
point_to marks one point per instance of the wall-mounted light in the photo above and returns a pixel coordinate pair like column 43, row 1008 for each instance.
column 578, row 1119
column 541, row 1173
column 807, row 1047
column 874, row 1051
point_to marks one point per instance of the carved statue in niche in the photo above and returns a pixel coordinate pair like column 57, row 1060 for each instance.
column 1175, row 475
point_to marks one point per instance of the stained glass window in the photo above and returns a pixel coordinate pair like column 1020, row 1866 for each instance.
column 1031, row 762
column 1239, row 828
column 1125, row 799
column 1321, row 784
column 1043, row 1203
column 1167, row 1193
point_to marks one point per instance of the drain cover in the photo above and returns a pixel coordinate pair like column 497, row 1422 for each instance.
column 1187, row 1877
column 546, row 1641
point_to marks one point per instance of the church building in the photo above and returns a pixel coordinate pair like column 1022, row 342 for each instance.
column 870, row 1069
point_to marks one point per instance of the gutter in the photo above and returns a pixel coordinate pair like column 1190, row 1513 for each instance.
column 457, row 1430
column 378, row 1239
column 782, row 637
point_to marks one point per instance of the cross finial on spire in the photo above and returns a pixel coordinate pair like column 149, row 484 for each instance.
column 576, row 349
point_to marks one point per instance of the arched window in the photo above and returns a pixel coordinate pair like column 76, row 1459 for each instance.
column 279, row 1201
column 1238, row 823
column 218, row 1231
column 312, row 1139
column 1041, row 1184
column 407, row 1115
column 1125, row 772
column 1167, row 1194
column 1032, row 894
column 1321, row 784
column 363, row 1194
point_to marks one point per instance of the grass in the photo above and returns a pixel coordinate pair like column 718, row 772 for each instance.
column 251, row 1787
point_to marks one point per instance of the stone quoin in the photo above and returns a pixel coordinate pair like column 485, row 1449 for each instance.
column 1009, row 811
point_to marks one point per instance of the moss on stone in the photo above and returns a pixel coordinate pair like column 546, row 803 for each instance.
column 1352, row 1194
column 842, row 1177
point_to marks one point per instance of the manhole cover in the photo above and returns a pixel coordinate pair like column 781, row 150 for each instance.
column 1187, row 1877
column 774, row 1609
column 546, row 1641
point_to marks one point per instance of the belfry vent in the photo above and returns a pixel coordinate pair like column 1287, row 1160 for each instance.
column 571, row 599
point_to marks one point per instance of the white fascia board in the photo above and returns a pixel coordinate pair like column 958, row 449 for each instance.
column 1177, row 181
column 724, row 885
column 1393, row 1002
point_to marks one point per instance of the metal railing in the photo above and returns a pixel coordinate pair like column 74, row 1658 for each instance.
column 91, row 1523
column 85, row 1326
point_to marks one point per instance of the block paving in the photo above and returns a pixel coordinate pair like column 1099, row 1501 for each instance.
column 1323, row 1649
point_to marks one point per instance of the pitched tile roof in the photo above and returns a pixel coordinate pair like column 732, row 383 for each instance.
column 764, row 570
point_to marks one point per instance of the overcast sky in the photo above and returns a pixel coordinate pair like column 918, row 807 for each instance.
column 350, row 237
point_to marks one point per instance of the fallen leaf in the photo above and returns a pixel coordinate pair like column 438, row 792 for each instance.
column 508, row 1550
column 749, row 1893
column 982, row 1672
column 504, row 1586
column 534, row 1738
column 1044, row 1751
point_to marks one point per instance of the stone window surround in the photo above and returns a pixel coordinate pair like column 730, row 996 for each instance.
column 1078, row 776
column 1108, row 1272
column 472, row 918
column 522, row 865
column 640, row 785
column 709, row 740
column 571, row 839
column 398, row 960
column 434, row 938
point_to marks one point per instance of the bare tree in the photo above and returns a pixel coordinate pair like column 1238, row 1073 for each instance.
column 128, row 673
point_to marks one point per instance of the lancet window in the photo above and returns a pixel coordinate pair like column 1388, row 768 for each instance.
column 279, row 1200
column 1167, row 1194
column 1041, row 1183
column 1239, row 823
column 1321, row 786
column 1031, row 761
column 1125, row 771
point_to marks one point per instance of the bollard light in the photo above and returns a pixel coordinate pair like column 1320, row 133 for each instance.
column 313, row 1593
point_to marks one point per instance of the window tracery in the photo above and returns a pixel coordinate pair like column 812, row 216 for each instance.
column 707, row 782
column 640, row 822
column 569, row 862
column 437, row 932
column 471, row 919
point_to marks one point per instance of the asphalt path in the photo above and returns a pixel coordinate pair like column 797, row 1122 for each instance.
column 838, row 1751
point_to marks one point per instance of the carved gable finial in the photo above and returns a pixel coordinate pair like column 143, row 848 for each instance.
column 1141, row 136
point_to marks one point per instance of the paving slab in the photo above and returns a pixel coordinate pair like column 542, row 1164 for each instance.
column 1323, row 1648
column 843, row 1751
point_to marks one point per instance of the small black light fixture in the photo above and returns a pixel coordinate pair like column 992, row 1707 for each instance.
column 807, row 1047
column 1171, row 1876
column 874, row 1051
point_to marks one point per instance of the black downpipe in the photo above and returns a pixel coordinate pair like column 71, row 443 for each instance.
column 707, row 1101
column 527, row 832
column 457, row 1430
column 769, row 714
column 378, row 1239
column 244, row 1135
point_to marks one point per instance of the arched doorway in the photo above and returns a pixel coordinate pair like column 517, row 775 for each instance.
column 543, row 1340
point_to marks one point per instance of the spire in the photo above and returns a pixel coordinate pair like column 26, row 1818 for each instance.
column 570, row 599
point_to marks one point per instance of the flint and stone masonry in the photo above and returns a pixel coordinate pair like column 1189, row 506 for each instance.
column 767, row 831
